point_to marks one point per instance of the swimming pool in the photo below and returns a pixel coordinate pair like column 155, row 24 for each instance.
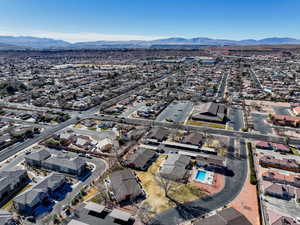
column 201, row 176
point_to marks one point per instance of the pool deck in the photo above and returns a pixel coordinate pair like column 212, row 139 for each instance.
column 216, row 186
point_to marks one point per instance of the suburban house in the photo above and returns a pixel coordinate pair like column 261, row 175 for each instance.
column 6, row 218
column 285, row 164
column 281, row 191
column 28, row 201
column 284, row 220
column 125, row 186
column 211, row 164
column 275, row 177
column 11, row 181
column 210, row 112
column 263, row 145
column 141, row 159
column 281, row 148
column 60, row 162
column 193, row 139
column 296, row 111
column 36, row 158
column 158, row 133
column 228, row 216
column 175, row 167
column 284, row 120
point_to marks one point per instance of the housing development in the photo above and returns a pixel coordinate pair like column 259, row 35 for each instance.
column 204, row 135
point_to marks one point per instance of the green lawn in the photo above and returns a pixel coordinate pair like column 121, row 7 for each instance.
column 202, row 123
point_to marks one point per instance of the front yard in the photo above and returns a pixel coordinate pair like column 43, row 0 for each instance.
column 203, row 123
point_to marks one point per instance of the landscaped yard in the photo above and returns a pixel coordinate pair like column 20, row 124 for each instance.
column 156, row 199
column 202, row 123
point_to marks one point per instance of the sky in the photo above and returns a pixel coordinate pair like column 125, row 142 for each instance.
column 91, row 20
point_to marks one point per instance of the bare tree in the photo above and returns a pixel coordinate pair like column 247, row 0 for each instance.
column 165, row 184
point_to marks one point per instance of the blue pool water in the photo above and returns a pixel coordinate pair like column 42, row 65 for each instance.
column 200, row 176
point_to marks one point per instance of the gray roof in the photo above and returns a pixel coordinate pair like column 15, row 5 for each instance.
column 124, row 183
column 5, row 217
column 158, row 133
column 210, row 111
column 40, row 190
column 177, row 160
column 228, row 216
column 51, row 181
column 38, row 155
column 141, row 157
column 175, row 166
column 10, row 178
column 193, row 138
column 31, row 197
column 63, row 161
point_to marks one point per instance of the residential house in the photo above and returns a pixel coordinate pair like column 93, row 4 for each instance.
column 175, row 167
column 284, row 220
column 281, row 191
column 11, row 181
column 60, row 162
column 211, row 164
column 158, row 133
column 263, row 145
column 285, row 120
column 211, row 112
column 228, row 216
column 193, row 138
column 284, row 164
column 141, row 159
column 125, row 186
column 28, row 201
column 6, row 218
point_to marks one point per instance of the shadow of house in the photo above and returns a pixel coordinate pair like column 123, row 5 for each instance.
column 11, row 182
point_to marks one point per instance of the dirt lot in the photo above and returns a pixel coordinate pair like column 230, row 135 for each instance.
column 156, row 199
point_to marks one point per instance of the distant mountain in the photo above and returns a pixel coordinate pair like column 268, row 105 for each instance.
column 25, row 42
column 4, row 46
column 33, row 42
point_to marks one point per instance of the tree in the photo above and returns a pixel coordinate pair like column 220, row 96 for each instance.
column 165, row 184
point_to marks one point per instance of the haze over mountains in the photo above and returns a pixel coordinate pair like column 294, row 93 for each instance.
column 24, row 42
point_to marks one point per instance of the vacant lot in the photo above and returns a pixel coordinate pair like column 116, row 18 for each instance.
column 156, row 199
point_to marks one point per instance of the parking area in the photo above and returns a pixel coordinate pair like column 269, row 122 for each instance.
column 260, row 124
column 177, row 111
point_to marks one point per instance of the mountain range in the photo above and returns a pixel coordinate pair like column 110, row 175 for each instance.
column 30, row 43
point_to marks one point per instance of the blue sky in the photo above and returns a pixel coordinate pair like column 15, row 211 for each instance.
column 87, row 20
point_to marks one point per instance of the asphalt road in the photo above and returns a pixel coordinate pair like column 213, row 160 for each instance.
column 230, row 133
column 221, row 89
column 254, row 77
column 233, row 186
column 259, row 123
column 11, row 150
